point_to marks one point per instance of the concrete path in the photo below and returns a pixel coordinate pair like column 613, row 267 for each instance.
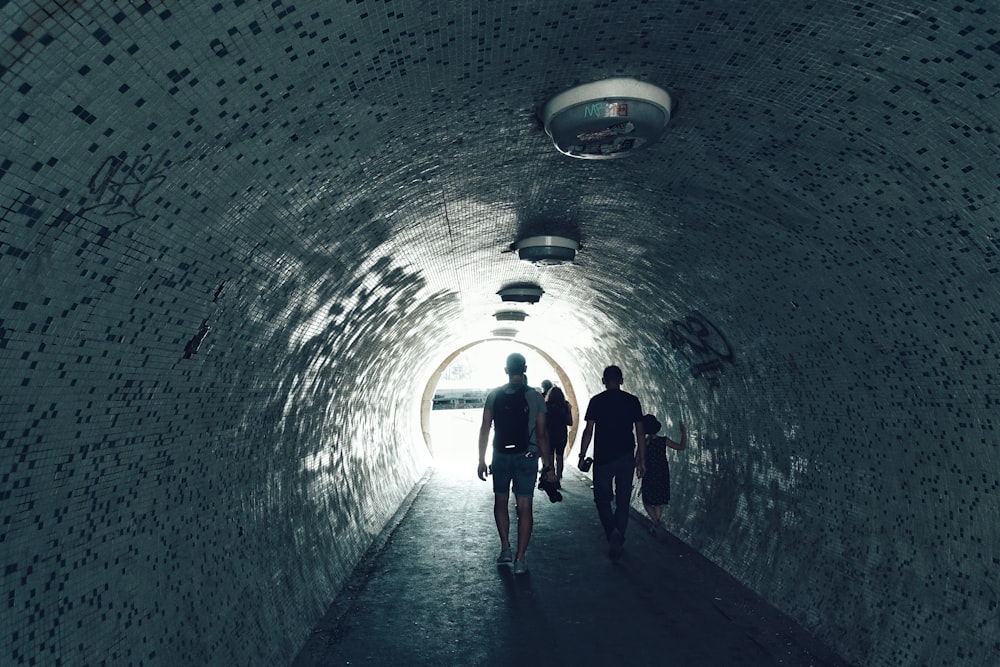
column 430, row 593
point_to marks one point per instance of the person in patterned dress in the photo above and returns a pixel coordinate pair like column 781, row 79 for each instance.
column 656, row 483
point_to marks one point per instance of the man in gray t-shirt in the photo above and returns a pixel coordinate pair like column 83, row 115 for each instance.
column 516, row 467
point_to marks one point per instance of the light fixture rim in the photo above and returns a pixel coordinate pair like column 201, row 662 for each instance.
column 521, row 288
column 616, row 89
column 521, row 293
column 504, row 333
column 510, row 315
column 547, row 241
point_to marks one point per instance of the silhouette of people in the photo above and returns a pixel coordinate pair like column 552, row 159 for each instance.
column 611, row 417
column 558, row 418
column 656, row 484
column 546, row 385
column 517, row 469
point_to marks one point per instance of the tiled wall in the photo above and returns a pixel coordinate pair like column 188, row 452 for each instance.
column 193, row 463
column 235, row 239
column 199, row 421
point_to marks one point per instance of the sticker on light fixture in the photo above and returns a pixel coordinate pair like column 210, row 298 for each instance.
column 607, row 119
column 547, row 250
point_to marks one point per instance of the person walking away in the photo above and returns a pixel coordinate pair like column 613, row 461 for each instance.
column 558, row 418
column 614, row 421
column 656, row 483
column 517, row 415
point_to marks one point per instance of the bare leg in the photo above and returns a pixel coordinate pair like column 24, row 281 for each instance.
column 502, row 516
column 525, row 521
column 655, row 512
column 559, row 465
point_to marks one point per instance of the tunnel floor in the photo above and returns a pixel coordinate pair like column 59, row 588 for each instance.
column 430, row 593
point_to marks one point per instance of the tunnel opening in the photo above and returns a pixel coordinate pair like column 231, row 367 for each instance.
column 455, row 393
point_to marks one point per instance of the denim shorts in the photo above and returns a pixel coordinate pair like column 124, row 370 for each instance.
column 521, row 469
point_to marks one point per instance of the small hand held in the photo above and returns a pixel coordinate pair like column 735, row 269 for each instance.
column 483, row 471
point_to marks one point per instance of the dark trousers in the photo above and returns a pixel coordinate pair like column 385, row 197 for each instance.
column 614, row 480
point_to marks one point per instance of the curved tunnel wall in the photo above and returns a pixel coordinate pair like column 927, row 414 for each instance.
column 237, row 239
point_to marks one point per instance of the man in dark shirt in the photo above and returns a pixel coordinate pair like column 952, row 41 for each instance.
column 614, row 415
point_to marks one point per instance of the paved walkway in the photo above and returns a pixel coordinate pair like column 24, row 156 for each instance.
column 429, row 593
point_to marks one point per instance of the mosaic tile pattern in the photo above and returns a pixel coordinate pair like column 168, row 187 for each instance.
column 236, row 240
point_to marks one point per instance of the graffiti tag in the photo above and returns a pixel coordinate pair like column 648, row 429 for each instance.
column 701, row 345
column 120, row 185
column 605, row 109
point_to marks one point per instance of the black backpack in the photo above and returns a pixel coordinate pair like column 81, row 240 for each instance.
column 510, row 421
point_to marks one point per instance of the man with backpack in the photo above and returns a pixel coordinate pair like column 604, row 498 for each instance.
column 517, row 415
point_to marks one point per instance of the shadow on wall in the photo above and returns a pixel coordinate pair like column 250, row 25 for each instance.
column 229, row 483
column 324, row 438
column 722, row 473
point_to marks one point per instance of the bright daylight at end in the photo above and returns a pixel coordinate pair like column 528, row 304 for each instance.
column 459, row 395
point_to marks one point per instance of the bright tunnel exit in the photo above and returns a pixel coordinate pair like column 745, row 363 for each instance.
column 460, row 388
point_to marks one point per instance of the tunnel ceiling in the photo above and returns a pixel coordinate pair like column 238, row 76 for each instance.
column 814, row 147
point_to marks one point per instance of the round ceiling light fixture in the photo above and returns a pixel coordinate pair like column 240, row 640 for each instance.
column 510, row 315
column 521, row 293
column 548, row 250
column 607, row 119
column 504, row 333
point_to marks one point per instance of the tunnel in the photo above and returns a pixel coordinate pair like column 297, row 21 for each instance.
column 240, row 239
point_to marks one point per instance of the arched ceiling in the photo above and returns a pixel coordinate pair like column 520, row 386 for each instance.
column 805, row 138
